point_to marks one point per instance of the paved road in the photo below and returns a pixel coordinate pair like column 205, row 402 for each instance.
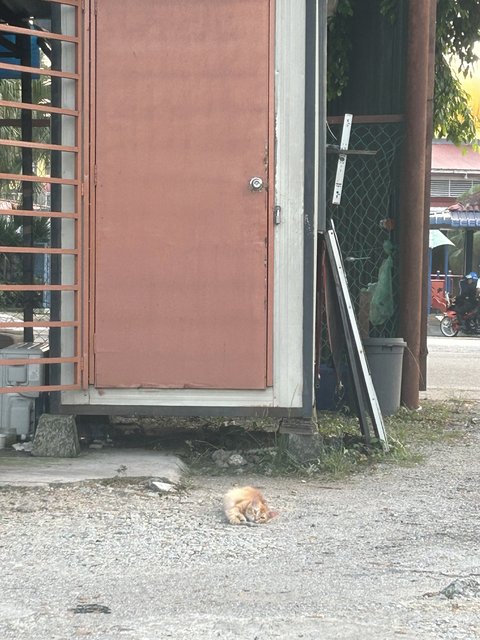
column 453, row 367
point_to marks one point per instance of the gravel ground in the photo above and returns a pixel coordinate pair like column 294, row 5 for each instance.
column 350, row 560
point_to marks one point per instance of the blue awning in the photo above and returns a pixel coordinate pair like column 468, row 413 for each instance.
column 456, row 219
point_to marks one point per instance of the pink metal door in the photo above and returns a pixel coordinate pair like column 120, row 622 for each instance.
column 181, row 126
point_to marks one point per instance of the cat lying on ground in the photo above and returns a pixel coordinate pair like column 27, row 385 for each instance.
column 246, row 505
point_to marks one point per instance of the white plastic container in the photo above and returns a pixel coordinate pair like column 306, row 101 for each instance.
column 17, row 410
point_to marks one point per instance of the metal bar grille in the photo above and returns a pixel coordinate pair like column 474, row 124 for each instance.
column 38, row 214
column 41, row 190
column 21, row 177
column 47, row 35
column 38, row 107
column 31, row 361
column 39, row 250
column 34, row 71
column 38, row 287
column 38, row 145
column 39, row 323
column 73, row 3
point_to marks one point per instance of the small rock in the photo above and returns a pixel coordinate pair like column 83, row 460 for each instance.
column 162, row 479
column 220, row 457
column 22, row 446
column 462, row 588
column 91, row 608
column 236, row 460
column 162, row 487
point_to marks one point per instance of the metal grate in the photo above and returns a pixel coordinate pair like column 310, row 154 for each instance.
column 444, row 187
column 40, row 189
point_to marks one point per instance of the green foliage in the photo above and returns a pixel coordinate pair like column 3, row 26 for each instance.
column 10, row 156
column 12, row 264
column 339, row 48
column 388, row 9
column 340, row 42
column 458, row 29
column 452, row 115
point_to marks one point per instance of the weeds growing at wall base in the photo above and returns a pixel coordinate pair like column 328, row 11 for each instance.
column 340, row 448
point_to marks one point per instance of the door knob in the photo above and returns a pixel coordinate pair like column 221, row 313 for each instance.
column 256, row 184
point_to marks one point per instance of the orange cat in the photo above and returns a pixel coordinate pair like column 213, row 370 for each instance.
column 246, row 505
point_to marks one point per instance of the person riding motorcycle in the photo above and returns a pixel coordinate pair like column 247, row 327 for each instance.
column 466, row 300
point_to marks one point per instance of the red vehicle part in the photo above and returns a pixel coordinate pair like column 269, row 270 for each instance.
column 449, row 324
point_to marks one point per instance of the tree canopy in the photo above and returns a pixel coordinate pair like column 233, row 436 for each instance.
column 457, row 31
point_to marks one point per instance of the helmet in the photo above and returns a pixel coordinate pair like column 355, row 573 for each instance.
column 472, row 275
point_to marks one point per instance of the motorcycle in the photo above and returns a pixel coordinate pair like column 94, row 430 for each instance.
column 451, row 325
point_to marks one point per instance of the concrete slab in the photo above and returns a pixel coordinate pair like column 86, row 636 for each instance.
column 21, row 469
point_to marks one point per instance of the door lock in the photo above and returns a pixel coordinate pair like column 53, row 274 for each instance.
column 256, row 184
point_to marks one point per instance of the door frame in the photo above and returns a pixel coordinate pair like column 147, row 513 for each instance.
column 291, row 336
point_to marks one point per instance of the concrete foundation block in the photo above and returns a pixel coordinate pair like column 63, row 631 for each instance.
column 56, row 437
column 304, row 443
column 305, row 447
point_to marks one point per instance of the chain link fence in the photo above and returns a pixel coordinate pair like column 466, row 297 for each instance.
column 368, row 214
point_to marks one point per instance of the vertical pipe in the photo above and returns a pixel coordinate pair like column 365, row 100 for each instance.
column 322, row 116
column 429, row 280
column 428, row 172
column 56, row 197
column 468, row 251
column 412, row 246
column 445, row 265
column 27, row 187
column 310, row 204
column 322, row 178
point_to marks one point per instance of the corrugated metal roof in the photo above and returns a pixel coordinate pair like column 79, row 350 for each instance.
column 446, row 157
column 456, row 219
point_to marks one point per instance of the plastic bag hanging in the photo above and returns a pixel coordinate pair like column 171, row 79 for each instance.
column 381, row 305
